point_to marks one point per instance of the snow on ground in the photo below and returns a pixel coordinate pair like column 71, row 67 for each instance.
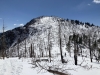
column 14, row 66
column 10, row 67
column 86, row 67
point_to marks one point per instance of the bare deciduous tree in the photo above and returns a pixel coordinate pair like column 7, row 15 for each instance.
column 60, row 43
column 49, row 44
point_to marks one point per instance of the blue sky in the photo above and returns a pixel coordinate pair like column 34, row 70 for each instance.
column 19, row 12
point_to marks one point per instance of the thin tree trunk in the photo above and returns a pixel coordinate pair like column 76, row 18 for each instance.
column 25, row 48
column 49, row 45
column 75, row 54
column 18, row 49
column 3, row 43
column 60, row 44
column 75, row 49
column 31, row 51
column 90, row 49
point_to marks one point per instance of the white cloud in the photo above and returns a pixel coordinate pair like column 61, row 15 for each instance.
column 96, row 1
column 15, row 24
column 21, row 24
column 89, row 4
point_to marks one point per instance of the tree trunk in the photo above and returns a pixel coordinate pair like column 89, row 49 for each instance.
column 25, row 48
column 3, row 43
column 31, row 51
column 90, row 49
column 75, row 49
column 75, row 55
column 49, row 45
column 60, row 44
column 18, row 48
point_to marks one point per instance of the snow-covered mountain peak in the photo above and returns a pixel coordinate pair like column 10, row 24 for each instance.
column 46, row 20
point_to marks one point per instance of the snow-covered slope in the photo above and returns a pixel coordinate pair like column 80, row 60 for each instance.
column 37, row 31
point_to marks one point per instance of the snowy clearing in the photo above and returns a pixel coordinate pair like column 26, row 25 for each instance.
column 14, row 66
